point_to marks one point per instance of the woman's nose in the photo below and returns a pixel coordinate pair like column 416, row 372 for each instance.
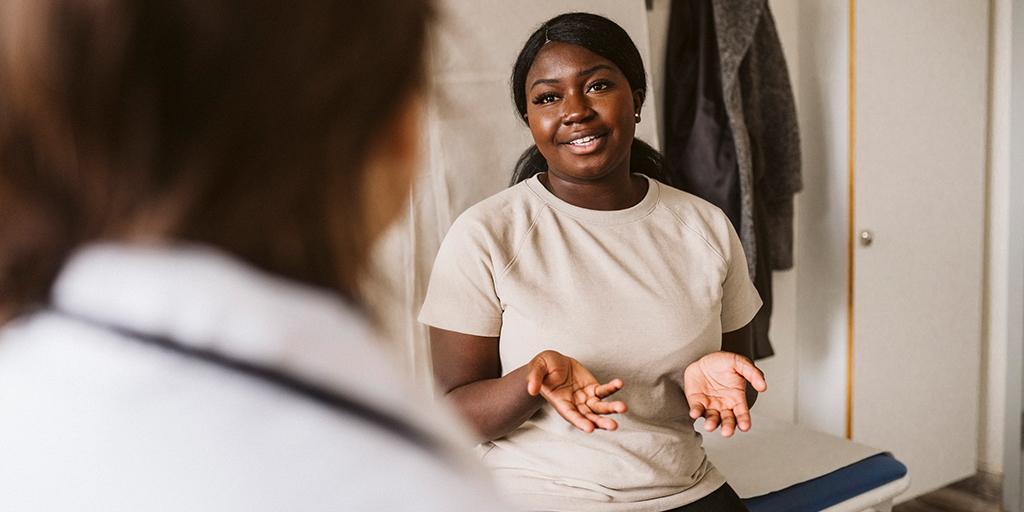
column 576, row 109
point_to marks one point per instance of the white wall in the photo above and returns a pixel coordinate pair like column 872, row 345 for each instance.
column 1013, row 465
column 780, row 402
column 821, row 257
column 994, row 334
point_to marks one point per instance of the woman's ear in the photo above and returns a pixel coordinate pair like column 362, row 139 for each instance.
column 638, row 100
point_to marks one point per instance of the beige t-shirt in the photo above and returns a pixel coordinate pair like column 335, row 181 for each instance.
column 636, row 294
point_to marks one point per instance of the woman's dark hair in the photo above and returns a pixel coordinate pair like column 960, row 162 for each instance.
column 605, row 38
column 241, row 124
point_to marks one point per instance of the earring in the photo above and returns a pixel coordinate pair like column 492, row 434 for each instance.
column 637, row 117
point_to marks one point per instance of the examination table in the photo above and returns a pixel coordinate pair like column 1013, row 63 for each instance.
column 779, row 467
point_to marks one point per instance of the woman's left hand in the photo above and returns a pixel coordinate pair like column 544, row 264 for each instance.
column 715, row 387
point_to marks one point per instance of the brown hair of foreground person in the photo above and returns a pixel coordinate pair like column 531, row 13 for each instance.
column 256, row 126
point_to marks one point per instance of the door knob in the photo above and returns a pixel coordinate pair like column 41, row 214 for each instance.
column 866, row 237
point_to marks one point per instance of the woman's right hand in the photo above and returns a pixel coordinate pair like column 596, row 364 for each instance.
column 573, row 391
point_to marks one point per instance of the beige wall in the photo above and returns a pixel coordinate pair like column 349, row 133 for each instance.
column 994, row 335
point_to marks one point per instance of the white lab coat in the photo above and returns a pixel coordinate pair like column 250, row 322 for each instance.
column 92, row 419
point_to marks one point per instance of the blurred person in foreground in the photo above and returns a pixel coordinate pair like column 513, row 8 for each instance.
column 188, row 193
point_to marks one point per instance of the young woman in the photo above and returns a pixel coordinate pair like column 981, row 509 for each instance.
column 188, row 192
column 586, row 279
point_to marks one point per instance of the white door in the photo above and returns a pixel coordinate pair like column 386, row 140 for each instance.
column 919, row 94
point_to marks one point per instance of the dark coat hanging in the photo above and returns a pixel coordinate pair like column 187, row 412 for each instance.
column 731, row 130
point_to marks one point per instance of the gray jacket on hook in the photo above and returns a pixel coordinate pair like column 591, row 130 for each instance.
column 762, row 115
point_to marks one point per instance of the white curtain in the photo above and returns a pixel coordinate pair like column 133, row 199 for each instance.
column 472, row 137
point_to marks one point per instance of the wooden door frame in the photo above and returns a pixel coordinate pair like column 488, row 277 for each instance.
column 1012, row 445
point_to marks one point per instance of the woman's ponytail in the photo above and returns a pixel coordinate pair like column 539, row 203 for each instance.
column 530, row 163
column 646, row 160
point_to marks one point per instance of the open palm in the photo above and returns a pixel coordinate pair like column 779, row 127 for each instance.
column 715, row 387
column 573, row 391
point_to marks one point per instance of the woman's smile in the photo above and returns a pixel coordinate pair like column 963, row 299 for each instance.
column 587, row 143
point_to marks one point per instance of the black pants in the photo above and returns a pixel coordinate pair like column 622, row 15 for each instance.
column 722, row 500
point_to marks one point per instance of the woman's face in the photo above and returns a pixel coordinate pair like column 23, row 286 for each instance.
column 581, row 112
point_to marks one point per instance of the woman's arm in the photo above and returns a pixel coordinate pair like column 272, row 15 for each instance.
column 739, row 342
column 468, row 369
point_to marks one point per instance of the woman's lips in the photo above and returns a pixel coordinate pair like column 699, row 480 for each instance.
column 586, row 144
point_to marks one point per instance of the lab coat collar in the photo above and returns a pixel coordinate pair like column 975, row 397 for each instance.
column 203, row 298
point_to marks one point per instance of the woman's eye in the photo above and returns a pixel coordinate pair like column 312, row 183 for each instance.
column 543, row 99
column 599, row 86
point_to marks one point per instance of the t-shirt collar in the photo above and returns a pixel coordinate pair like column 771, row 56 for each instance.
column 607, row 217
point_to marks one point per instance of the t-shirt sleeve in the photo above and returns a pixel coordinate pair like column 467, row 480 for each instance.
column 461, row 295
column 740, row 300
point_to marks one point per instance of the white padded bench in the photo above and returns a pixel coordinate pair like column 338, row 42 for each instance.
column 779, row 467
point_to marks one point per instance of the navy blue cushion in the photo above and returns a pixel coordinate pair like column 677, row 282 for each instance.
column 835, row 487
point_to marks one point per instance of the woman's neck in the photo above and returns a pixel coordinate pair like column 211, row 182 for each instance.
column 617, row 191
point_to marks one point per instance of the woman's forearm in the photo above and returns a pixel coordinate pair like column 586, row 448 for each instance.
column 495, row 407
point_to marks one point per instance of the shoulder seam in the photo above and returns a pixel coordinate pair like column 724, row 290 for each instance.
column 519, row 246
column 694, row 230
